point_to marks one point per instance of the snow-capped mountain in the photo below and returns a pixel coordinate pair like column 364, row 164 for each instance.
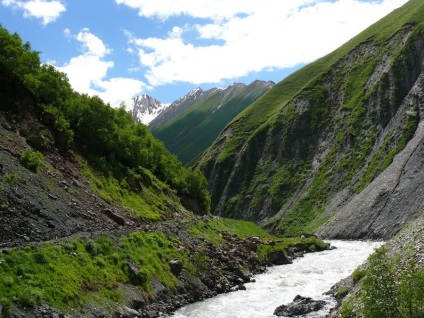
column 144, row 108
column 177, row 107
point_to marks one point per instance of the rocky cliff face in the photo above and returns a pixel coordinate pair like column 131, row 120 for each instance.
column 337, row 146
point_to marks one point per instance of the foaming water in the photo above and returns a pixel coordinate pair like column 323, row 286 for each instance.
column 309, row 276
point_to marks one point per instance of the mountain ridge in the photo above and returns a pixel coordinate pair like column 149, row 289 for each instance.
column 320, row 136
column 191, row 124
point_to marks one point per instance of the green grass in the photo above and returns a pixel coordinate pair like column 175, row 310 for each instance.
column 210, row 229
column 151, row 202
column 31, row 159
column 77, row 272
column 193, row 131
column 299, row 109
column 73, row 273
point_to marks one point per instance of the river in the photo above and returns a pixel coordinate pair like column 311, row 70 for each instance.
column 308, row 276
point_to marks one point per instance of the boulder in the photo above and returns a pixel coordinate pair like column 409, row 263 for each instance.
column 130, row 313
column 278, row 257
column 299, row 306
column 114, row 216
column 134, row 272
column 176, row 266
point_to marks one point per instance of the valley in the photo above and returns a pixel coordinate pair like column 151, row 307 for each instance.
column 103, row 216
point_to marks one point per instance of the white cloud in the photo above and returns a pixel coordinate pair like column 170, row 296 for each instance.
column 46, row 10
column 252, row 35
column 201, row 8
column 87, row 72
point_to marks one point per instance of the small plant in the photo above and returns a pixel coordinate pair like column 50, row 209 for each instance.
column 358, row 274
column 31, row 159
column 342, row 291
column 11, row 179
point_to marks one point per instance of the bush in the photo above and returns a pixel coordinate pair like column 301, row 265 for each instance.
column 390, row 291
column 358, row 274
column 31, row 159
column 11, row 179
column 91, row 247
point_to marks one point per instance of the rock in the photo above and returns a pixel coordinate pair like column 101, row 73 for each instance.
column 160, row 291
column 299, row 306
column 5, row 251
column 114, row 217
column 176, row 266
column 278, row 257
column 244, row 274
column 130, row 313
column 134, row 273
column 51, row 196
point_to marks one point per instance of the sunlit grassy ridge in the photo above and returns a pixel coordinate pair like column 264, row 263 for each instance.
column 265, row 110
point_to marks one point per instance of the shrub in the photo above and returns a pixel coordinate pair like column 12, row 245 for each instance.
column 11, row 179
column 30, row 297
column 31, row 159
column 358, row 274
column 91, row 247
column 391, row 291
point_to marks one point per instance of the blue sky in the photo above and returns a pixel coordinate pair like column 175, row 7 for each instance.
column 165, row 48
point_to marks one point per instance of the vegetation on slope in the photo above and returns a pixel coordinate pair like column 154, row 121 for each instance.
column 73, row 273
column 319, row 131
column 109, row 138
column 193, row 131
column 391, row 283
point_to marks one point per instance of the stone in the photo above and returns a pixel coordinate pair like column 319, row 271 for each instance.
column 278, row 257
column 130, row 313
column 176, row 266
column 299, row 306
column 134, row 273
column 114, row 216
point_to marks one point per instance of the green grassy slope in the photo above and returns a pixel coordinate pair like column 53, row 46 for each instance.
column 269, row 160
column 190, row 133
column 265, row 110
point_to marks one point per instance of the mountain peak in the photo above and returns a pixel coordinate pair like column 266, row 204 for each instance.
column 144, row 108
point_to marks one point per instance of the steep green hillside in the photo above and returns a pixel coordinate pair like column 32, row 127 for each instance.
column 320, row 136
column 97, row 218
column 121, row 150
column 191, row 132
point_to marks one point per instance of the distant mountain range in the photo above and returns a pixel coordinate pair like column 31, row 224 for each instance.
column 189, row 125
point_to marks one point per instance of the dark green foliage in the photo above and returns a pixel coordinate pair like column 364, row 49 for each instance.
column 103, row 134
column 390, row 291
column 16, row 57
column 31, row 159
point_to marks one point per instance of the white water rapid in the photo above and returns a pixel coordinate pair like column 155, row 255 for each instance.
column 308, row 276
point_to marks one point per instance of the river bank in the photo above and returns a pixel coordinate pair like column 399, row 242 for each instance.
column 309, row 276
